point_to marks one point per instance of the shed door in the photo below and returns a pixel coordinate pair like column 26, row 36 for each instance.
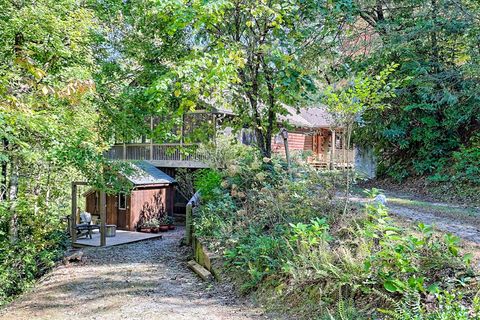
column 122, row 211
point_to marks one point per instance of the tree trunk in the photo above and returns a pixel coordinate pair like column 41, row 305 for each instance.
column 271, row 116
column 3, row 177
column 12, row 197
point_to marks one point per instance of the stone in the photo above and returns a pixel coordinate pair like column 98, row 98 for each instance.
column 75, row 257
column 380, row 199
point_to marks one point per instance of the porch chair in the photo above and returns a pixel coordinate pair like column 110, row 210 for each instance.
column 85, row 227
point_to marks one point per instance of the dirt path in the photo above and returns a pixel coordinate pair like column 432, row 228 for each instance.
column 459, row 220
column 144, row 280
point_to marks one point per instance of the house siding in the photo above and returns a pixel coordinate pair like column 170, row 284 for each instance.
column 297, row 141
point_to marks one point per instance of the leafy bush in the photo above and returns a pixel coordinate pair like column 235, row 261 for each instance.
column 449, row 308
column 207, row 181
column 41, row 242
column 282, row 234
column 466, row 168
column 216, row 216
column 259, row 255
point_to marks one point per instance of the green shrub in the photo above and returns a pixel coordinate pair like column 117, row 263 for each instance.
column 207, row 181
column 215, row 218
column 258, row 255
column 449, row 307
column 284, row 235
column 466, row 165
column 41, row 242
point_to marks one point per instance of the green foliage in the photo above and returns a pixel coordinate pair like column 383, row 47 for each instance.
column 216, row 217
column 361, row 93
column 257, row 254
column 207, row 181
column 41, row 242
column 282, row 238
column 465, row 167
column 430, row 123
column 450, row 307
column 310, row 234
column 406, row 262
column 49, row 131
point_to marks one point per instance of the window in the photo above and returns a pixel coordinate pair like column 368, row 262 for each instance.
column 122, row 201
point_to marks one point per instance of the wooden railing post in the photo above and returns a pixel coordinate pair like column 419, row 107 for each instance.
column 73, row 217
column 189, row 223
column 194, row 202
column 103, row 218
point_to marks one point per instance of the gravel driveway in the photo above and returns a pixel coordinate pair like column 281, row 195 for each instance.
column 144, row 280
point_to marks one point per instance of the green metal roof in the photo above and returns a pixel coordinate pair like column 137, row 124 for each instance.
column 145, row 173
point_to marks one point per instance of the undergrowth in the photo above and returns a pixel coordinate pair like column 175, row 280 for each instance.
column 285, row 239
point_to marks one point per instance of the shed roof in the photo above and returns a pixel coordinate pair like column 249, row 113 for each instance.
column 145, row 173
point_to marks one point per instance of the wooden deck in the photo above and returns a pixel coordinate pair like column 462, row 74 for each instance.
column 192, row 156
column 173, row 155
column 121, row 237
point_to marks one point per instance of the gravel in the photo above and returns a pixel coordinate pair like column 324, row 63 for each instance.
column 143, row 280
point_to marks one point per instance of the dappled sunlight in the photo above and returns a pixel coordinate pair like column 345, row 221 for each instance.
column 140, row 280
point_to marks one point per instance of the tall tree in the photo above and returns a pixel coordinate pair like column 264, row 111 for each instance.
column 245, row 55
column 48, row 129
column 437, row 111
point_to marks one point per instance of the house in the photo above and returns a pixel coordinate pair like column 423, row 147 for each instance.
column 312, row 130
column 152, row 195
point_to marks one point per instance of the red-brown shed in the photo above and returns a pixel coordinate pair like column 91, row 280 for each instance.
column 152, row 195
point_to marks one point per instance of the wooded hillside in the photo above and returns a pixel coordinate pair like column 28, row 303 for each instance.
column 75, row 76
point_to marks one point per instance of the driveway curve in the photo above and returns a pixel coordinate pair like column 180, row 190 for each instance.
column 143, row 280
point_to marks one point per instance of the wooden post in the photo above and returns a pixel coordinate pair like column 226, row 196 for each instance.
column 284, row 134
column 287, row 154
column 124, row 151
column 73, row 216
column 103, row 218
column 332, row 151
column 188, row 223
column 215, row 119
column 151, row 138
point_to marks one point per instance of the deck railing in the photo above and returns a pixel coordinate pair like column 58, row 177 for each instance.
column 341, row 156
column 192, row 153
column 157, row 152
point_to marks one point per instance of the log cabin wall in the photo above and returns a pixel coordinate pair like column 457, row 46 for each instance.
column 305, row 140
column 297, row 141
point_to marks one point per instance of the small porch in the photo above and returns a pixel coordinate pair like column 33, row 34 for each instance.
column 330, row 150
column 121, row 237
